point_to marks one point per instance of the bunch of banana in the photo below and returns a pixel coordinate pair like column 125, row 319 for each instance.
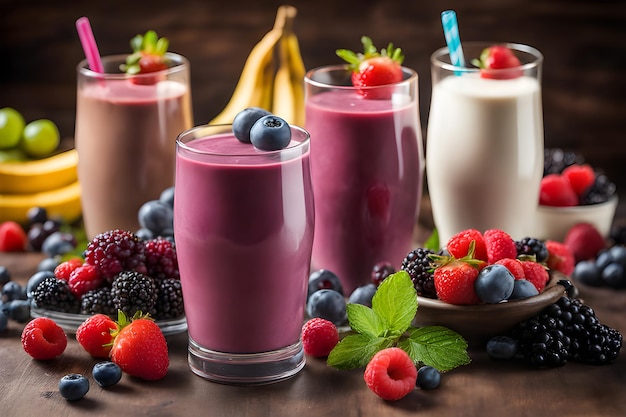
column 51, row 182
column 273, row 75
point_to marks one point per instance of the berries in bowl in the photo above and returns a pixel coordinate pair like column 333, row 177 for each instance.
column 573, row 192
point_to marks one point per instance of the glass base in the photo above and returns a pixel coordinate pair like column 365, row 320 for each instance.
column 246, row 368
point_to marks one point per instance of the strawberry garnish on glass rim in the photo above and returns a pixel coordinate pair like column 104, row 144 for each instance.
column 372, row 68
column 498, row 62
column 148, row 54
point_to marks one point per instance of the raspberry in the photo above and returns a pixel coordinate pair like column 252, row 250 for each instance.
column 580, row 176
column 514, row 266
column 12, row 237
column 64, row 269
column 458, row 245
column 585, row 241
column 319, row 337
column 417, row 264
column 161, row 261
column 555, row 190
column 500, row 245
column 94, row 335
column 391, row 374
column 560, row 257
column 43, row 339
column 536, row 273
column 84, row 278
column 115, row 251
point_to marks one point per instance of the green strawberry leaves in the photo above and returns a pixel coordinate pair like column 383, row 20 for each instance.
column 388, row 323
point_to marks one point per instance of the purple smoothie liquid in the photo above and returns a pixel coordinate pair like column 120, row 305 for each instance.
column 367, row 179
column 125, row 136
column 244, row 230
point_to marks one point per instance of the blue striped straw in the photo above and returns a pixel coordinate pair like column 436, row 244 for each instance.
column 453, row 39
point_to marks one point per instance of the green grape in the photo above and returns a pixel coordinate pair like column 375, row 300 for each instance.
column 11, row 127
column 12, row 155
column 40, row 138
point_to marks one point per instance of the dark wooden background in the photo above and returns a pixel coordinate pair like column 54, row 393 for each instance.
column 584, row 43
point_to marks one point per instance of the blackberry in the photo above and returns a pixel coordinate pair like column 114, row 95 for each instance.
column 532, row 246
column 169, row 303
column 133, row 291
column 115, row 251
column 161, row 260
column 380, row 271
column 555, row 160
column 600, row 191
column 98, row 301
column 417, row 264
column 54, row 294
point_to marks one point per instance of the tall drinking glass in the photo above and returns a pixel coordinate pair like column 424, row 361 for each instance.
column 484, row 150
column 243, row 224
column 126, row 128
column 367, row 168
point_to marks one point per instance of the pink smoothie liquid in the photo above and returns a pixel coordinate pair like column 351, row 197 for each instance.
column 244, row 229
column 366, row 166
column 125, row 136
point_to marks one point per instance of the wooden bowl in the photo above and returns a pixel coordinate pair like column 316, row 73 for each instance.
column 477, row 323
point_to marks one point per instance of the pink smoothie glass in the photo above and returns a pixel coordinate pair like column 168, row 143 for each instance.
column 367, row 168
column 243, row 224
column 126, row 127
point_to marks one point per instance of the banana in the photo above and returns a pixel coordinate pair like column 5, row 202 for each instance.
column 288, row 90
column 62, row 203
column 39, row 175
column 255, row 82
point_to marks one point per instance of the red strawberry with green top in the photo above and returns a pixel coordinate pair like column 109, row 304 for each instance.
column 459, row 244
column 454, row 278
column 498, row 62
column 560, row 257
column 140, row 348
column 555, row 190
column 373, row 68
column 580, row 177
column 94, row 335
column 148, row 56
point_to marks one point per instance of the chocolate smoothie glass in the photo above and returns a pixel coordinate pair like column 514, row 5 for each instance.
column 126, row 127
column 367, row 167
column 243, row 224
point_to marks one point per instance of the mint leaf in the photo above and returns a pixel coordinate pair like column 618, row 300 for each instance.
column 356, row 350
column 432, row 242
column 364, row 320
column 436, row 346
column 396, row 302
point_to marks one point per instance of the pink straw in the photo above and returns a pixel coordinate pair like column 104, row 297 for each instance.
column 89, row 45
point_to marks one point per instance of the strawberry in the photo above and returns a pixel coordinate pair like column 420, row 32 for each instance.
column 536, row 273
column 372, row 68
column 498, row 62
column 555, row 190
column 500, row 245
column 459, row 244
column 580, row 177
column 454, row 278
column 148, row 56
column 584, row 241
column 12, row 237
column 560, row 257
column 94, row 335
column 65, row 268
column 140, row 348
column 514, row 266
column 43, row 339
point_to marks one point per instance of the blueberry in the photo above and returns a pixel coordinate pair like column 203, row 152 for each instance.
column 167, row 197
column 327, row 304
column 428, row 377
column 156, row 216
column 244, row 120
column 48, row 264
column 144, row 234
column 58, row 244
column 4, row 320
column 363, row 295
column 13, row 291
column 5, row 275
column 494, row 284
column 613, row 275
column 588, row 273
column 604, row 258
column 324, row 279
column 618, row 254
column 17, row 310
column 501, row 347
column 270, row 133
column 73, row 387
column 523, row 289
column 35, row 280
column 107, row 373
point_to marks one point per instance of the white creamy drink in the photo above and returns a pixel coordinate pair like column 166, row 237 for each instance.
column 484, row 154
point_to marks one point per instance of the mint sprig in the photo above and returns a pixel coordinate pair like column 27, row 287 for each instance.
column 388, row 323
